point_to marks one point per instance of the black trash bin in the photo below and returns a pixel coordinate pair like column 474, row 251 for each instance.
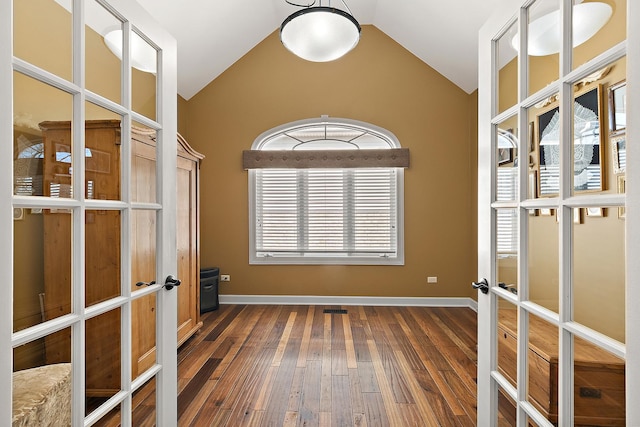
column 209, row 278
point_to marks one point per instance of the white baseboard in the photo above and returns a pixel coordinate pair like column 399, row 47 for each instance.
column 348, row 300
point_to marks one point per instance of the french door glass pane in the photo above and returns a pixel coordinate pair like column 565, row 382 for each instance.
column 599, row 271
column 507, row 160
column 507, row 65
column 507, row 336
column 543, row 44
column 588, row 138
column 506, row 409
column 103, row 68
column 597, row 27
column 529, row 153
column 143, row 270
column 42, row 152
column 102, row 357
column 546, row 118
column 42, row 266
column 543, row 262
column 42, row 373
column 144, row 405
column 143, row 163
column 143, row 320
column 43, row 37
column 143, row 76
column 112, row 418
column 599, row 386
column 542, row 362
column 507, row 248
column 102, row 255
column 102, row 153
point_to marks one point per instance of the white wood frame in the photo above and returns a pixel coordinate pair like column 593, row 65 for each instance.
column 488, row 376
column 165, row 369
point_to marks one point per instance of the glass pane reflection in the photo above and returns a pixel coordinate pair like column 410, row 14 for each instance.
column 103, row 69
column 599, row 271
column 102, row 153
column 42, row 35
column 507, row 161
column 42, row 266
column 599, row 385
column 143, row 163
column 143, row 77
column 507, row 66
column 507, row 245
column 42, row 372
column 598, row 26
column 507, row 340
column 102, row 352
column 41, row 150
column 546, row 119
column 102, row 255
column 506, row 409
column 542, row 362
column 143, row 264
column 543, row 59
column 543, row 258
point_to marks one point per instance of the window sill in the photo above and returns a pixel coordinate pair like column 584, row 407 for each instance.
column 325, row 261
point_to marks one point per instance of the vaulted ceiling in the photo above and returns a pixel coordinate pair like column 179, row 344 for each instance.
column 213, row 34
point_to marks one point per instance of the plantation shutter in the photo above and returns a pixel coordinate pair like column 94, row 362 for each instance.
column 333, row 212
column 507, row 218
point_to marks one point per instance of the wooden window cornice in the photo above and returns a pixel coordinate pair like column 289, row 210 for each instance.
column 312, row 159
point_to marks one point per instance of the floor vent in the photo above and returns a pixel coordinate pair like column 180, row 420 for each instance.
column 334, row 311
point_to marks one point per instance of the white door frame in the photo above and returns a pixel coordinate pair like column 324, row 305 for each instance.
column 165, row 369
column 487, row 303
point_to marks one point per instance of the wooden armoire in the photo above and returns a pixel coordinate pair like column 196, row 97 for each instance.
column 103, row 234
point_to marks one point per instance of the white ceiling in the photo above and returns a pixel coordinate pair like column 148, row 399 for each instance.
column 213, row 34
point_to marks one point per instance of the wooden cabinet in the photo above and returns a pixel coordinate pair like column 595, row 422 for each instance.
column 103, row 234
column 187, row 243
column 598, row 375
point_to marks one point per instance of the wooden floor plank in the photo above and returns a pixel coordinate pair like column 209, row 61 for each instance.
column 348, row 342
column 310, row 398
column 253, row 365
column 422, row 402
column 340, row 392
column 386, row 392
column 357, row 404
column 375, row 411
column 306, row 338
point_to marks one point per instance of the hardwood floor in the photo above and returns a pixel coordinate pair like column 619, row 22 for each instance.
column 298, row 366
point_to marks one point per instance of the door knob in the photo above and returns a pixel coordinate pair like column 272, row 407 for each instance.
column 170, row 282
column 483, row 285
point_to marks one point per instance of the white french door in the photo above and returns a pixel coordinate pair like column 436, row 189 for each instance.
column 89, row 231
column 558, row 330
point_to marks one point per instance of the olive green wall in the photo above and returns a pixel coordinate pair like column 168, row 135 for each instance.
column 381, row 83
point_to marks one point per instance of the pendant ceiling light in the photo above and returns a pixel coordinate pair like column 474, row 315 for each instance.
column 143, row 56
column 544, row 32
column 320, row 33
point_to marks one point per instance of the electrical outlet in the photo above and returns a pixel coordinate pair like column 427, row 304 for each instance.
column 432, row 279
column 225, row 277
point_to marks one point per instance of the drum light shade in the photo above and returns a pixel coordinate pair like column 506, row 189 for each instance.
column 320, row 34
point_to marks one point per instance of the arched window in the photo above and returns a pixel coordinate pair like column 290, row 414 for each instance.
column 326, row 191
